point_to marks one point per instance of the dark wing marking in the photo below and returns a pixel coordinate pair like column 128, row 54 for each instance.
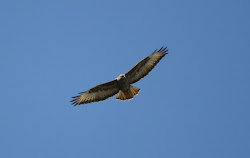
column 98, row 93
column 142, row 68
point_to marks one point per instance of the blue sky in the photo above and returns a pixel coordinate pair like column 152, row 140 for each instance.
column 194, row 104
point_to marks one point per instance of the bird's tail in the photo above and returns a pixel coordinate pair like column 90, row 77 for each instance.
column 129, row 94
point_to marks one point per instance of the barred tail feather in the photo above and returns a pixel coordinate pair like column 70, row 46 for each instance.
column 129, row 94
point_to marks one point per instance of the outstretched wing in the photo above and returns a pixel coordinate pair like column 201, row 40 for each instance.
column 98, row 93
column 142, row 68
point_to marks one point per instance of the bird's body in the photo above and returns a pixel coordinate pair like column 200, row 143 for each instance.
column 122, row 84
column 126, row 91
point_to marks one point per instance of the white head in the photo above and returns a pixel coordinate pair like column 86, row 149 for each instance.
column 120, row 77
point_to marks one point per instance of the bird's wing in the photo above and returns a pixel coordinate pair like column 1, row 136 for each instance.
column 142, row 68
column 98, row 93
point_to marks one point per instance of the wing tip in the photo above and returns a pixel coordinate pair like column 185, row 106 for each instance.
column 75, row 101
column 162, row 50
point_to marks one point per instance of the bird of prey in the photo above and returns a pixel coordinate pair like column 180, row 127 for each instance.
column 122, row 84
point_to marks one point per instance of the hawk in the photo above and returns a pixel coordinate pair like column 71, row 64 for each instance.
column 122, row 84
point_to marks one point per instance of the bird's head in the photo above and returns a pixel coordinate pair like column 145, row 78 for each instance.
column 120, row 77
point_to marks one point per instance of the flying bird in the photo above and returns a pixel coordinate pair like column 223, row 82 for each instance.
column 122, row 84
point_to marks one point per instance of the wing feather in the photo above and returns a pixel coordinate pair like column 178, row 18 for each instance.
column 146, row 65
column 98, row 93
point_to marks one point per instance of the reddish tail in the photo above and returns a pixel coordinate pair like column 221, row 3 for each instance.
column 129, row 94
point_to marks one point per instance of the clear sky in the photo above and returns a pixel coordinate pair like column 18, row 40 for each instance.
column 194, row 104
